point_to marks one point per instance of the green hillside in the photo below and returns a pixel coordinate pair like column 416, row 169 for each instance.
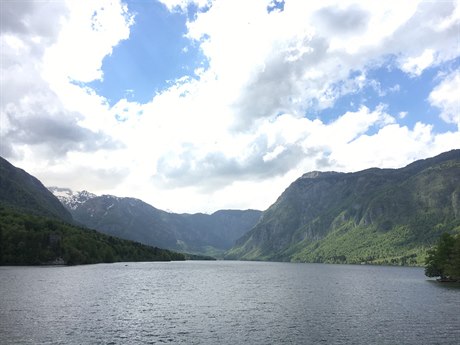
column 22, row 191
column 374, row 216
column 35, row 228
column 32, row 240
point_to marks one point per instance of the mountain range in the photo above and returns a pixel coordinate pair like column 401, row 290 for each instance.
column 373, row 216
column 35, row 228
column 136, row 220
column 376, row 216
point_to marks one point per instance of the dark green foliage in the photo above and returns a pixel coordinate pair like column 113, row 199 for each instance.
column 381, row 216
column 199, row 257
column 33, row 240
column 126, row 218
column 444, row 259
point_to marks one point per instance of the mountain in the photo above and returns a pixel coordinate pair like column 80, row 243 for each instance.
column 372, row 216
column 27, row 239
column 35, row 228
column 136, row 220
column 22, row 191
column 211, row 234
column 70, row 199
column 126, row 218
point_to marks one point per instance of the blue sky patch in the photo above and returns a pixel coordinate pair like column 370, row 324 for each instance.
column 155, row 54
column 405, row 96
column 276, row 5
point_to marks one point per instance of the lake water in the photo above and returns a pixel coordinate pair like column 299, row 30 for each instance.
column 225, row 302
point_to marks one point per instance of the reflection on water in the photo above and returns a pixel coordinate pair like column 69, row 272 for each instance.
column 225, row 303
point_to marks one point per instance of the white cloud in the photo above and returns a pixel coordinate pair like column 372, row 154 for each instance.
column 57, row 43
column 416, row 65
column 181, row 5
column 402, row 114
column 302, row 57
column 446, row 96
column 238, row 132
column 90, row 33
column 44, row 117
column 393, row 146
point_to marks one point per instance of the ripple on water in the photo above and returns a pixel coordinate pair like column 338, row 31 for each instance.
column 225, row 303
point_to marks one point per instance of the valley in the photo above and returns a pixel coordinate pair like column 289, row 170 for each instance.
column 374, row 216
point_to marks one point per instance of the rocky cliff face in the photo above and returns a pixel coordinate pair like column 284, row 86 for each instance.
column 371, row 215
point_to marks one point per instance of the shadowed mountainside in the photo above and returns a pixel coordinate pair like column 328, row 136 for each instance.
column 24, row 192
column 136, row 220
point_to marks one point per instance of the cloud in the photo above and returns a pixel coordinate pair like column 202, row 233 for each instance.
column 55, row 135
column 216, row 170
column 302, row 58
column 249, row 122
column 41, row 57
column 416, row 65
column 445, row 96
column 251, row 115
column 27, row 30
column 30, row 20
column 88, row 35
column 393, row 146
column 276, row 148
column 182, row 5
column 76, row 176
column 427, row 38
column 402, row 114
column 341, row 21
column 284, row 84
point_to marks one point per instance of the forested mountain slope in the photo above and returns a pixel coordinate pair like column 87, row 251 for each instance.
column 374, row 216
column 22, row 191
column 136, row 220
column 35, row 228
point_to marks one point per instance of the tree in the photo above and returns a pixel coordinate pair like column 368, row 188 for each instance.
column 1, row 244
column 453, row 267
column 444, row 260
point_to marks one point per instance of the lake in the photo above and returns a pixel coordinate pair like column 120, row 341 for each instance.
column 226, row 302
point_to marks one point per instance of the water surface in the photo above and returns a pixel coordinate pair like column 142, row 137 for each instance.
column 225, row 302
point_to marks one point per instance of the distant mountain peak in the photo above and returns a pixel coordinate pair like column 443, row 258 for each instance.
column 69, row 198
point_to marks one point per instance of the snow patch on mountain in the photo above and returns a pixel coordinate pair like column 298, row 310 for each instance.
column 69, row 198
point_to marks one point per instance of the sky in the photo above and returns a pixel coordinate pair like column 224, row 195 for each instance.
column 196, row 106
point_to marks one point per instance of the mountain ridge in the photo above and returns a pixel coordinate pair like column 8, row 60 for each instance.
column 133, row 219
column 411, row 205
column 24, row 192
column 70, row 199
column 372, row 216
column 36, row 229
